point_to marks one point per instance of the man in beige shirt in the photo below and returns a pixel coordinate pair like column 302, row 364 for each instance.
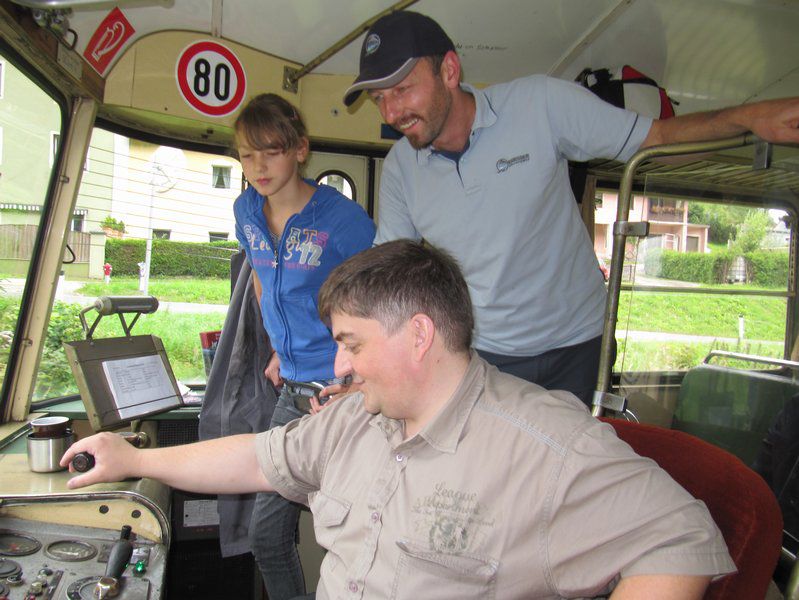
column 451, row 483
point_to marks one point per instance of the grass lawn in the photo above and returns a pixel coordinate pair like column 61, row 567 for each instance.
column 696, row 314
column 180, row 334
column 637, row 356
column 172, row 289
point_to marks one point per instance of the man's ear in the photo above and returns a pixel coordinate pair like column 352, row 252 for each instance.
column 423, row 333
column 451, row 70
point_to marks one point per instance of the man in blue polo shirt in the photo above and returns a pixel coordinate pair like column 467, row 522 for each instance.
column 484, row 175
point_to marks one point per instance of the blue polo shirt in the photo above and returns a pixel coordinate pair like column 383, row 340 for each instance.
column 506, row 210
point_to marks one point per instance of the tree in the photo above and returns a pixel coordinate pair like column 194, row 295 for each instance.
column 750, row 234
column 722, row 219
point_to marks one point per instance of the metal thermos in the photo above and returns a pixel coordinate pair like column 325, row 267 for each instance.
column 48, row 440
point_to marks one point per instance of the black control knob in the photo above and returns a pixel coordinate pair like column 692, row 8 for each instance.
column 82, row 462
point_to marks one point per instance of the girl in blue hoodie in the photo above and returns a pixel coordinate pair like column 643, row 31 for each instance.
column 294, row 232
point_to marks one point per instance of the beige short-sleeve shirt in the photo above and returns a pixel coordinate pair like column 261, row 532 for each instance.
column 510, row 492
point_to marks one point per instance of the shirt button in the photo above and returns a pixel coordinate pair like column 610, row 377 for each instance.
column 400, row 457
column 352, row 586
column 375, row 517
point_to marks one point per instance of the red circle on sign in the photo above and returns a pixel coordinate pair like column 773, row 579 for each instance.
column 189, row 94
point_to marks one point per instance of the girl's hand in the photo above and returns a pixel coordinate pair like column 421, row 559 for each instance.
column 272, row 371
column 334, row 393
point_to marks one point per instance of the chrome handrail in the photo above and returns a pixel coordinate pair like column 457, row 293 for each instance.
column 778, row 362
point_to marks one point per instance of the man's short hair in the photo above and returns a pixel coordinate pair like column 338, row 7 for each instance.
column 396, row 280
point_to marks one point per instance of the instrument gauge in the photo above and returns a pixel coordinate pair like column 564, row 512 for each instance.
column 82, row 589
column 9, row 569
column 17, row 544
column 70, row 550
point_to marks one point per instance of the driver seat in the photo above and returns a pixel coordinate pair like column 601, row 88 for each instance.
column 741, row 503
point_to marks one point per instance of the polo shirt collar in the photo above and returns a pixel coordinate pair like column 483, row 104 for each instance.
column 484, row 116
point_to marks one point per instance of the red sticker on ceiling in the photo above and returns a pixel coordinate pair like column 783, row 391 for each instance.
column 108, row 40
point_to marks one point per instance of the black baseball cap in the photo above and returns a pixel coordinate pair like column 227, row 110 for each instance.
column 392, row 47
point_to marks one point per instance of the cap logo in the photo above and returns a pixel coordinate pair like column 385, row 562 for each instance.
column 372, row 44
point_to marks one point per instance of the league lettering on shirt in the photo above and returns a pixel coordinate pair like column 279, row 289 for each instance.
column 451, row 520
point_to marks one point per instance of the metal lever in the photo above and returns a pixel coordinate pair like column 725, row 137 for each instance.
column 118, row 559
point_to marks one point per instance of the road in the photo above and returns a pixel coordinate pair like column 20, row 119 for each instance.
column 66, row 293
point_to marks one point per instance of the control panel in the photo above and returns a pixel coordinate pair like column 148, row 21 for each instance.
column 46, row 561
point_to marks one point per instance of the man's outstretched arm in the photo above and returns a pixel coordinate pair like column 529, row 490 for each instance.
column 226, row 465
column 772, row 120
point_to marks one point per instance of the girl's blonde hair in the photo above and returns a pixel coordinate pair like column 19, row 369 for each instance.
column 271, row 122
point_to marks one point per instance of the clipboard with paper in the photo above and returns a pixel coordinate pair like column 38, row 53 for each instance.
column 122, row 379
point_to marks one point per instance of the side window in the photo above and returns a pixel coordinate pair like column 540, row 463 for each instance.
column 340, row 181
column 708, row 291
column 28, row 119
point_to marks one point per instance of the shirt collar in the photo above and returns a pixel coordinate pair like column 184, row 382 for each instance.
column 484, row 116
column 446, row 429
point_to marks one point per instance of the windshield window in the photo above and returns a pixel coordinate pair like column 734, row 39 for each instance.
column 30, row 137
column 150, row 220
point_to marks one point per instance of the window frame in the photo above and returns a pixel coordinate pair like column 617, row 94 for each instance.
column 344, row 176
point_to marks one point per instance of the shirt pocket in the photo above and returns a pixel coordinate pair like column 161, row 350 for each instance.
column 434, row 575
column 329, row 515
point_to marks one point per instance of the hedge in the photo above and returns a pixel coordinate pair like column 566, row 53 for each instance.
column 768, row 268
column 688, row 266
column 171, row 259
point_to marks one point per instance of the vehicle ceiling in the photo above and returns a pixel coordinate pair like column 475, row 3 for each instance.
column 707, row 54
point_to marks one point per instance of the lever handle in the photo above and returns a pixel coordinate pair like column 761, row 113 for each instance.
column 119, row 557
column 82, row 462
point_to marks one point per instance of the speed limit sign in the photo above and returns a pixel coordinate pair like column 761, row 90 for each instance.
column 210, row 78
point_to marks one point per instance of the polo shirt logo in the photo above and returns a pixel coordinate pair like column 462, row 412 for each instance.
column 503, row 164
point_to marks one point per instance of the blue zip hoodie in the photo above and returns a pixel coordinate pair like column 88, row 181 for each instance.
column 330, row 229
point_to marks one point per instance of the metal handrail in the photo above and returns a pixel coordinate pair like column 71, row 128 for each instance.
column 778, row 362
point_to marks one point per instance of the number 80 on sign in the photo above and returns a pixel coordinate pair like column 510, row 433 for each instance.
column 210, row 78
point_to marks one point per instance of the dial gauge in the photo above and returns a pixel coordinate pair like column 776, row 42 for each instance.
column 16, row 544
column 9, row 569
column 70, row 550
column 82, row 589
